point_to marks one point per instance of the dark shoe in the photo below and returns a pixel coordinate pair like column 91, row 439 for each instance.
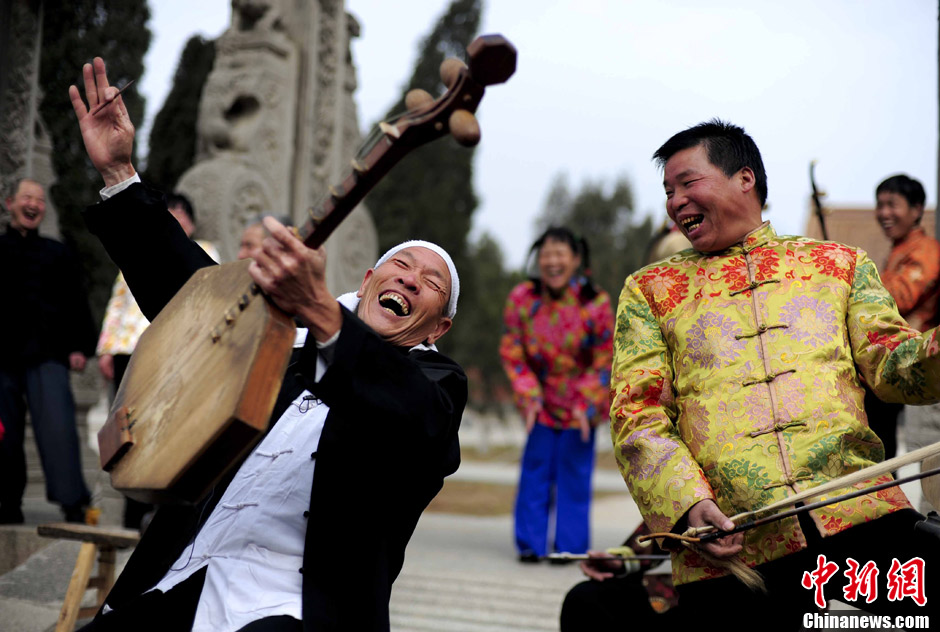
column 560, row 561
column 11, row 516
column 74, row 513
column 528, row 557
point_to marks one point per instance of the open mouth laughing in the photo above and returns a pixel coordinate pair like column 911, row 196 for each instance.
column 691, row 222
column 395, row 303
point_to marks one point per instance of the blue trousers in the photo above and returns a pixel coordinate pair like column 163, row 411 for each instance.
column 555, row 479
column 45, row 389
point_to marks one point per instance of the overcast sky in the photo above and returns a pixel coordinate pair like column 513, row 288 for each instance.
column 601, row 84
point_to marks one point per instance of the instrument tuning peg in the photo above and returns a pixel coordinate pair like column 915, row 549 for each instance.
column 464, row 127
column 417, row 99
column 450, row 70
column 492, row 59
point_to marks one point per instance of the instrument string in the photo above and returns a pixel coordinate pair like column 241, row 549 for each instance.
column 192, row 543
column 372, row 139
column 376, row 134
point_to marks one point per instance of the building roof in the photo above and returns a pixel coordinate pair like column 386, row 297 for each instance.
column 856, row 226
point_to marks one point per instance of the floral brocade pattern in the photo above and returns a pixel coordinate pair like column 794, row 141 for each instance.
column 664, row 288
column 736, row 377
column 557, row 353
column 734, row 273
column 712, row 340
column 123, row 324
column 834, row 260
column 811, row 321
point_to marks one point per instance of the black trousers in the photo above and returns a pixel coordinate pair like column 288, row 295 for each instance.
column 883, row 419
column 43, row 389
column 174, row 611
column 613, row 604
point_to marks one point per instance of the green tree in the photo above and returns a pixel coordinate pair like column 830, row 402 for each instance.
column 476, row 340
column 73, row 33
column 173, row 137
column 430, row 194
column 604, row 216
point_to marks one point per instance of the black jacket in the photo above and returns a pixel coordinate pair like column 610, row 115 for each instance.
column 44, row 314
column 388, row 442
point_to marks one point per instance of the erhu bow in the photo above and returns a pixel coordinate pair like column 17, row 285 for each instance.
column 928, row 455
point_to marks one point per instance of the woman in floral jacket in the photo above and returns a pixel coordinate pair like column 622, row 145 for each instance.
column 556, row 350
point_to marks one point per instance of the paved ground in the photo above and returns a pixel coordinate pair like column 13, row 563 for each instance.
column 461, row 574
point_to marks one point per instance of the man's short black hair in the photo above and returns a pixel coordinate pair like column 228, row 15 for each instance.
column 174, row 200
column 905, row 186
column 728, row 147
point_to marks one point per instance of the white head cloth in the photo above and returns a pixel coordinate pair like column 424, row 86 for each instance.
column 454, row 279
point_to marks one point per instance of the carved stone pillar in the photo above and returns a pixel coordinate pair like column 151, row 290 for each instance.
column 25, row 147
column 328, row 136
column 278, row 125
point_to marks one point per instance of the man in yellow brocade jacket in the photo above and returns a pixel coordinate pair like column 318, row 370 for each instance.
column 737, row 382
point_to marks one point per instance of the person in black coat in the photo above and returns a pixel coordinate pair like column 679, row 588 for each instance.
column 46, row 329
column 389, row 405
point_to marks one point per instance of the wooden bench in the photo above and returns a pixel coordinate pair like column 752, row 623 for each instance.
column 95, row 540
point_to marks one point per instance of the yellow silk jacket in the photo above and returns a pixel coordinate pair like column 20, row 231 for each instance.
column 736, row 377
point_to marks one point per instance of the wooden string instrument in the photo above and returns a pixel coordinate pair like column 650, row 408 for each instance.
column 201, row 385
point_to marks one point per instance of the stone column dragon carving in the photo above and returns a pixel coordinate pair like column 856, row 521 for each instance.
column 278, row 125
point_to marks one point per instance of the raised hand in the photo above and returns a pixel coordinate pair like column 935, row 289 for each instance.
column 106, row 127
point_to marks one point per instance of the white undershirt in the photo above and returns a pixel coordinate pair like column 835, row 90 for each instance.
column 253, row 541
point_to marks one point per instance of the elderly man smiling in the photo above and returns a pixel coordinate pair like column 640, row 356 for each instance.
column 47, row 329
column 310, row 531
